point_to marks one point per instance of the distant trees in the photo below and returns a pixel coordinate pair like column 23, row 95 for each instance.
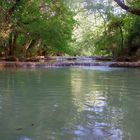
column 109, row 30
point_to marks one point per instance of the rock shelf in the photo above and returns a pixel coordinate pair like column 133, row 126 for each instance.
column 5, row 64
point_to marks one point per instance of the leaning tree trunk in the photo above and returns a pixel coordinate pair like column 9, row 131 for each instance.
column 34, row 43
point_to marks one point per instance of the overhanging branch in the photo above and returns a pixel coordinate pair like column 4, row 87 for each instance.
column 134, row 11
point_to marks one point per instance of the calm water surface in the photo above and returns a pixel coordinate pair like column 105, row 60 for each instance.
column 70, row 104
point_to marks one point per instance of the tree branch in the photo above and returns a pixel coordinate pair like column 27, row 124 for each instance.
column 127, row 8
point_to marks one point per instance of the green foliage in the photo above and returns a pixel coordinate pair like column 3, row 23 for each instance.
column 112, row 40
column 51, row 22
column 133, row 37
column 49, row 27
column 111, row 31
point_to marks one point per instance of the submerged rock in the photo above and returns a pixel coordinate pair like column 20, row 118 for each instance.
column 19, row 129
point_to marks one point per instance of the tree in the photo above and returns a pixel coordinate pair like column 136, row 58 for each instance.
column 27, row 25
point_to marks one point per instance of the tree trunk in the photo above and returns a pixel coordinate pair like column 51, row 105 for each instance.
column 122, row 37
column 26, row 46
column 12, row 44
column 31, row 44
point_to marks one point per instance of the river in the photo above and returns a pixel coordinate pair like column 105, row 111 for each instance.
column 86, row 103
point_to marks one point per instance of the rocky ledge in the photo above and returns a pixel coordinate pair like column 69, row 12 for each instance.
column 125, row 64
column 47, row 64
column 5, row 64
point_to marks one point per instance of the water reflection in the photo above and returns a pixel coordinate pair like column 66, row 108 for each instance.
column 69, row 104
column 103, row 105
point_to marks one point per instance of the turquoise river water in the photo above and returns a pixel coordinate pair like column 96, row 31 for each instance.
column 86, row 103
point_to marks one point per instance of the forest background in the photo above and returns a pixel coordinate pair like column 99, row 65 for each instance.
column 30, row 28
